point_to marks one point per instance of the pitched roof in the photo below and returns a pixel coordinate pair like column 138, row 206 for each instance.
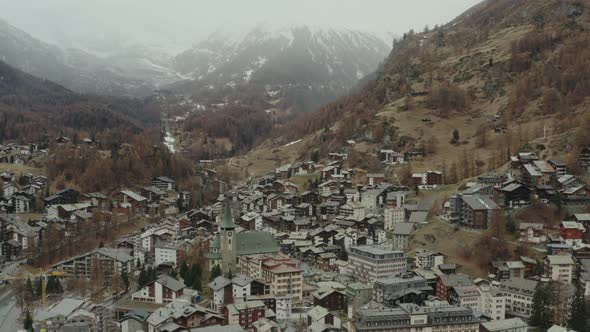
column 228, row 220
column 171, row 283
column 403, row 228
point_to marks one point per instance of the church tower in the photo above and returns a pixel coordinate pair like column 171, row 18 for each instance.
column 228, row 242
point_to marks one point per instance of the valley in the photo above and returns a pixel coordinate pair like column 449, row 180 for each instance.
column 301, row 178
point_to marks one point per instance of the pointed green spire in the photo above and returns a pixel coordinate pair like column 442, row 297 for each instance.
column 228, row 220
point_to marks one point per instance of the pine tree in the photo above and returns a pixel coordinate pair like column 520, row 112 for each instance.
column 578, row 316
column 183, row 270
column 125, row 278
column 197, row 284
column 215, row 272
column 28, row 321
column 138, row 264
column 39, row 289
column 29, row 289
column 541, row 313
column 142, row 281
column 230, row 275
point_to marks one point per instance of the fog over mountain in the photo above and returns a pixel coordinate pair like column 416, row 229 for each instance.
column 175, row 26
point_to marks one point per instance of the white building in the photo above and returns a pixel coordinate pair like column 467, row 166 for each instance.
column 559, row 268
column 370, row 263
column 393, row 215
column 492, row 302
column 164, row 290
column 428, row 260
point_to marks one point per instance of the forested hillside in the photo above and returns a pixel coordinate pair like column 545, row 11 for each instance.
column 31, row 108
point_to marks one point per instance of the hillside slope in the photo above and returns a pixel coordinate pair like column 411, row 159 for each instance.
column 31, row 108
column 502, row 74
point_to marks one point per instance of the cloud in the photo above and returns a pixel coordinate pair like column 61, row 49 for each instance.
column 182, row 22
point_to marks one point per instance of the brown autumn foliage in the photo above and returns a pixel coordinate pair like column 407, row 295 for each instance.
column 33, row 109
column 112, row 166
column 243, row 127
column 447, row 97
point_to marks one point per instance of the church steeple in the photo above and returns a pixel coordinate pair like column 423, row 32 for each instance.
column 228, row 220
column 228, row 241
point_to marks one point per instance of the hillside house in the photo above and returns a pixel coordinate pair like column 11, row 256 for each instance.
column 161, row 291
column 390, row 157
column 164, row 183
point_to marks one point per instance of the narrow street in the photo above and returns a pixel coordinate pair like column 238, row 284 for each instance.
column 9, row 313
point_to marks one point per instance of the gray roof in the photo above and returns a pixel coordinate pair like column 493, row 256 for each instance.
column 403, row 228
column 170, row 282
column 504, row 324
column 418, row 217
column 219, row 282
column 479, row 202
column 219, row 328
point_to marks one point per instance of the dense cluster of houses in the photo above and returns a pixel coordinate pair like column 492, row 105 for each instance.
column 331, row 253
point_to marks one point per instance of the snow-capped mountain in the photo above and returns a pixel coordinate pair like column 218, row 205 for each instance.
column 131, row 70
column 298, row 67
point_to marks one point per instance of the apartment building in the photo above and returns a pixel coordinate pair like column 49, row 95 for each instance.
column 281, row 273
column 370, row 263
column 410, row 318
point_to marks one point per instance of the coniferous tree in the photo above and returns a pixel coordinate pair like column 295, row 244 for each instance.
column 541, row 313
column 577, row 320
column 28, row 321
column 29, row 289
column 183, row 270
column 125, row 278
column 215, row 272
column 39, row 289
column 230, row 275
column 142, row 281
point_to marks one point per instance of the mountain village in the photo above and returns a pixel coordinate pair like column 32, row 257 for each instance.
column 333, row 253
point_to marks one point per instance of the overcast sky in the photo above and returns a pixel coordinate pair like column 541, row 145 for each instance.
column 177, row 24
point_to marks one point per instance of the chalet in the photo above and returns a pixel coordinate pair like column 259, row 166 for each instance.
column 390, row 157
column 576, row 195
column 309, row 197
column 181, row 315
column 275, row 202
column 568, row 180
column 495, row 180
column 65, row 196
column 131, row 202
column 266, row 180
column 305, row 210
column 153, row 193
column 164, row 183
column 559, row 166
column 355, row 210
column 331, row 299
column 427, row 179
column 284, row 186
column 571, row 232
column 445, row 283
column 515, row 194
column 244, row 313
column 96, row 200
column 326, row 261
column 10, row 250
column 66, row 211
column 320, row 316
column 374, row 179
column 161, row 291
column 532, row 232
